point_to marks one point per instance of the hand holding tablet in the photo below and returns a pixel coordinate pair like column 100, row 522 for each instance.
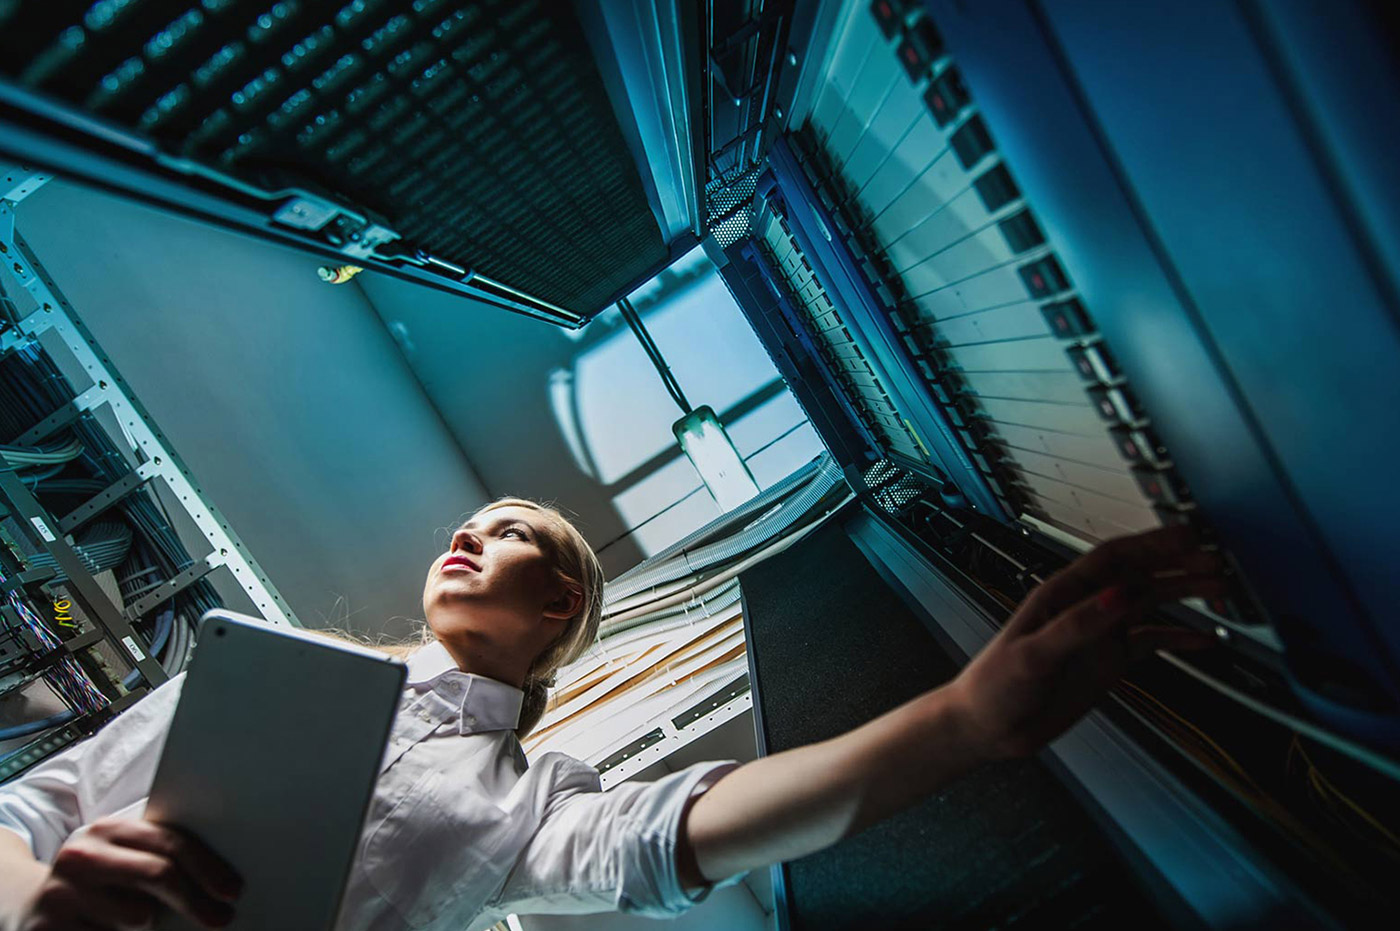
column 271, row 762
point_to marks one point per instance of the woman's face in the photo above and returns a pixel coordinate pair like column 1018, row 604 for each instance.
column 495, row 596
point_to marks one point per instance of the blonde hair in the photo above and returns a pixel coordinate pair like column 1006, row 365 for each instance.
column 578, row 567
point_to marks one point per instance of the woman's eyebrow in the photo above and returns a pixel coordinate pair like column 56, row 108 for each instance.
column 499, row 523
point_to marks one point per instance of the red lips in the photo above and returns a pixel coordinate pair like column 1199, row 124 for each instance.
column 460, row 561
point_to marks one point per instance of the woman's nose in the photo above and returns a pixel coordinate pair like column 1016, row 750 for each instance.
column 466, row 540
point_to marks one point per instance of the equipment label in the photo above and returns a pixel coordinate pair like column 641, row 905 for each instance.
column 134, row 649
column 43, row 529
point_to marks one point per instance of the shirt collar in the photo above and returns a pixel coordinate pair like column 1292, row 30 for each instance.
column 485, row 704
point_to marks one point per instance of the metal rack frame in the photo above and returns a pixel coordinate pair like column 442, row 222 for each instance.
column 54, row 314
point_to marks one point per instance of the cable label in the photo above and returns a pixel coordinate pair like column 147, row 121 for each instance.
column 134, row 649
column 43, row 529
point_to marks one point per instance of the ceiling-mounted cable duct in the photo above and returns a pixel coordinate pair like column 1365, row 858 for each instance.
column 688, row 562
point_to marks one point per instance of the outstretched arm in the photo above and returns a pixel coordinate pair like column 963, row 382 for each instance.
column 1066, row 645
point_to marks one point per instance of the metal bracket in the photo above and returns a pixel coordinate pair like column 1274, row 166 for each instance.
column 28, row 577
column 107, row 497
column 673, row 738
column 59, row 419
column 173, row 586
column 93, row 599
column 18, row 182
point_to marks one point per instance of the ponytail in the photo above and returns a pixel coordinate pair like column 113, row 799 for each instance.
column 536, row 700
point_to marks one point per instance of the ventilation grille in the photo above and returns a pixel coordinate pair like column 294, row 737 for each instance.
column 1000, row 337
column 730, row 207
column 893, row 489
column 480, row 131
column 861, row 386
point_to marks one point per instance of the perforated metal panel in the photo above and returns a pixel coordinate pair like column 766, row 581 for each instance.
column 480, row 131
column 935, row 215
column 730, row 206
column 861, row 384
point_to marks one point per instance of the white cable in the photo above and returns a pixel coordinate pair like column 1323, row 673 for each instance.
column 703, row 586
column 1341, row 744
column 722, row 600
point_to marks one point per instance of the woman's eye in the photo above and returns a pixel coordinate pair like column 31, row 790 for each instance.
column 515, row 530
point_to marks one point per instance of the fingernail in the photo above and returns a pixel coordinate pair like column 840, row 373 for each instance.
column 1113, row 600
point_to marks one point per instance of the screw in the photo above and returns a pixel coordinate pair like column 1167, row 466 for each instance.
column 1222, row 632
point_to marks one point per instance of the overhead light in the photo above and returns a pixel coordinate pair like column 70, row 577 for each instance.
column 710, row 450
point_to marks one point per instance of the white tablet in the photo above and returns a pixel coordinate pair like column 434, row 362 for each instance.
column 272, row 759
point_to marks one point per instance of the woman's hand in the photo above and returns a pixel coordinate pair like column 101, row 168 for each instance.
column 1075, row 635
column 117, row 872
column 1056, row 657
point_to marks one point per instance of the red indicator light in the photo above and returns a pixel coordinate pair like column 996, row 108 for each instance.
column 1154, row 489
column 1038, row 282
column 1130, row 449
column 885, row 11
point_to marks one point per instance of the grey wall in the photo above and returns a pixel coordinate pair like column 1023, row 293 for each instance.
column 285, row 396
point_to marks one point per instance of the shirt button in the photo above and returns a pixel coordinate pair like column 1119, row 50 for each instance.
column 470, row 720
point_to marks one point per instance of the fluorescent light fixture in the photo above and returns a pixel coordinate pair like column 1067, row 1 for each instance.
column 710, row 450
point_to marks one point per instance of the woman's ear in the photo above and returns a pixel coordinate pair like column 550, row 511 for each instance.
column 566, row 605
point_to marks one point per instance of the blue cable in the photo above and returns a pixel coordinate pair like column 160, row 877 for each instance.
column 164, row 624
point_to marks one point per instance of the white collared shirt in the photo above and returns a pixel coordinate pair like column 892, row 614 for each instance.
column 460, row 831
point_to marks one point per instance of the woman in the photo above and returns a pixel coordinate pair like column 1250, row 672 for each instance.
column 461, row 832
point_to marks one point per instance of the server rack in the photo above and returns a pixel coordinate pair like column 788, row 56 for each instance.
column 950, row 243
column 94, row 508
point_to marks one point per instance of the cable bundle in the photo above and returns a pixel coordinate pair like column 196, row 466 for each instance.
column 135, row 539
column 65, row 677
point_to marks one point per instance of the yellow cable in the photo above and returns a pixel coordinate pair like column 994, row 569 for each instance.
column 1325, row 784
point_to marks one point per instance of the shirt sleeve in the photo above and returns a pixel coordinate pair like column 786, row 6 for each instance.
column 102, row 775
column 600, row 851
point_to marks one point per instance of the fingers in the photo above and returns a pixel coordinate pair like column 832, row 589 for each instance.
column 1110, row 611
column 137, row 861
column 66, row 905
column 201, row 864
column 1134, row 560
column 88, row 865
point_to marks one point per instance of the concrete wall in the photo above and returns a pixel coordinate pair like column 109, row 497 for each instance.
column 285, row 396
